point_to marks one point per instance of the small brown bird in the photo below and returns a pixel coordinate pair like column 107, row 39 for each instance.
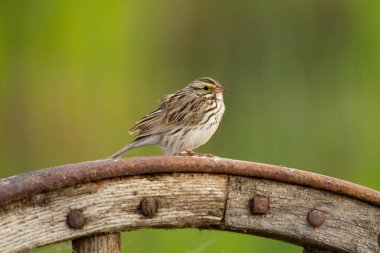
column 184, row 120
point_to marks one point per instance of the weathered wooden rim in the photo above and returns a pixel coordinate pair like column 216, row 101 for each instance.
column 27, row 184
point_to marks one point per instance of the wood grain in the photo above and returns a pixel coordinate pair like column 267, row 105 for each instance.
column 192, row 201
column 184, row 200
column 350, row 225
column 103, row 243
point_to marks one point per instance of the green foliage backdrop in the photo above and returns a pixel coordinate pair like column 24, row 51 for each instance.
column 303, row 80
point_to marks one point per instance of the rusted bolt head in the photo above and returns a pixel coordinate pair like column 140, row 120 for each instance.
column 75, row 219
column 316, row 218
column 259, row 205
column 148, row 207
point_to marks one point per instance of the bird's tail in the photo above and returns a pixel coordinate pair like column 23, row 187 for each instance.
column 138, row 142
column 122, row 151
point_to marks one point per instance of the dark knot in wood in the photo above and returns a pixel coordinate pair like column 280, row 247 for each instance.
column 259, row 205
column 76, row 219
column 316, row 218
column 148, row 207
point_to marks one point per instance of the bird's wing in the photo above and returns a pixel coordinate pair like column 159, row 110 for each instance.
column 175, row 110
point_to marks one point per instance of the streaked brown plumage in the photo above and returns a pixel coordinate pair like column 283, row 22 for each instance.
column 184, row 120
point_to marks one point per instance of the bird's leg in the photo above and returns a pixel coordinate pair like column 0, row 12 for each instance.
column 186, row 152
column 189, row 152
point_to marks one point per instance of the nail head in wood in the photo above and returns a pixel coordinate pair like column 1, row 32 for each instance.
column 316, row 218
column 148, row 207
column 75, row 219
column 259, row 205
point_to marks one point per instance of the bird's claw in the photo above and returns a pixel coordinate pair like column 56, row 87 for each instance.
column 189, row 152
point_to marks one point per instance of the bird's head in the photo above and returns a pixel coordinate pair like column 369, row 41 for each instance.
column 206, row 87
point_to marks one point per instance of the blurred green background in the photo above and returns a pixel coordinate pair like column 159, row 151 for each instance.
column 303, row 80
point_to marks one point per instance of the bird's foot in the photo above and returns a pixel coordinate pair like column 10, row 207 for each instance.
column 189, row 152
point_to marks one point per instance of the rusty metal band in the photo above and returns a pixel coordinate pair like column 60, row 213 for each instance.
column 27, row 184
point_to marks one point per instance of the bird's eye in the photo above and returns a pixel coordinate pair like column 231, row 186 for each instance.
column 206, row 88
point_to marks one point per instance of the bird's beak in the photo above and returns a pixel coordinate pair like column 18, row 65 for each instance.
column 220, row 88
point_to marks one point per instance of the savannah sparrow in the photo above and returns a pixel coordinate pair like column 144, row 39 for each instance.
column 184, row 120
